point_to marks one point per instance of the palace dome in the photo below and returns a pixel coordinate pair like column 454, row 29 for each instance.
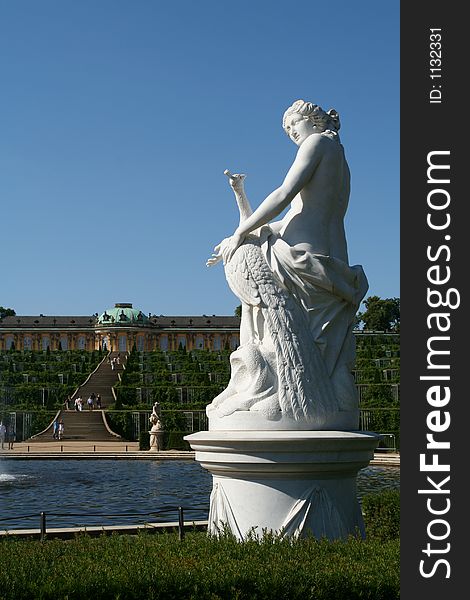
column 122, row 314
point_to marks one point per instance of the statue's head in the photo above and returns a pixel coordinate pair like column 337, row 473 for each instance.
column 314, row 114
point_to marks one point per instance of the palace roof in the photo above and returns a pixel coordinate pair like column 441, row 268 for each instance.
column 121, row 315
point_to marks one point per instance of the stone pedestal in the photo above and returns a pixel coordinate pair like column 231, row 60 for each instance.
column 293, row 483
column 156, row 440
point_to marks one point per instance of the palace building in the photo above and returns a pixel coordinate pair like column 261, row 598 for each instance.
column 119, row 329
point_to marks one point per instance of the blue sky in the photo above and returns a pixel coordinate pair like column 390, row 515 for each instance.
column 118, row 118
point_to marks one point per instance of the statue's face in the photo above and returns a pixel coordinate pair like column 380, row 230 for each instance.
column 298, row 128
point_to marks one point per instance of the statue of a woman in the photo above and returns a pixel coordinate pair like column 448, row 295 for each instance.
column 156, row 431
column 299, row 295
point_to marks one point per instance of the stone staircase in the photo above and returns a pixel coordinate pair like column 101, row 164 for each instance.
column 84, row 426
column 101, row 381
column 88, row 425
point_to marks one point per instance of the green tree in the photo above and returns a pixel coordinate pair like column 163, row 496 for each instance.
column 6, row 312
column 238, row 311
column 381, row 314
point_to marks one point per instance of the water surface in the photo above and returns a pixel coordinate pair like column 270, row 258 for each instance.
column 110, row 492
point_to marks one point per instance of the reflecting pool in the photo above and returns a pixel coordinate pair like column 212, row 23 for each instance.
column 109, row 492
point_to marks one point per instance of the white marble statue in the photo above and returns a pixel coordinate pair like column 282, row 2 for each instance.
column 299, row 295
column 156, row 431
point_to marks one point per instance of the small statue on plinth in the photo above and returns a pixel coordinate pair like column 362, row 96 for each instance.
column 156, row 431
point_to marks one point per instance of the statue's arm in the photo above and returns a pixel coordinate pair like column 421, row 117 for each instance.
column 308, row 157
column 276, row 226
column 295, row 208
column 300, row 173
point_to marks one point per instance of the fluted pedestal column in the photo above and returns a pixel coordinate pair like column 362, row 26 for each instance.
column 156, row 440
column 293, row 483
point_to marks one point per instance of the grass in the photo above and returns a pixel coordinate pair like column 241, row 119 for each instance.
column 160, row 566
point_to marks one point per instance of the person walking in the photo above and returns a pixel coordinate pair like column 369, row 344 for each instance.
column 60, row 431
column 55, row 429
column 98, row 401
column 3, row 432
column 11, row 436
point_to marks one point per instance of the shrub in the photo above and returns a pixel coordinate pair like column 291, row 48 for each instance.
column 144, row 440
column 382, row 514
column 40, row 420
column 126, row 395
column 173, row 440
column 173, row 420
column 121, row 423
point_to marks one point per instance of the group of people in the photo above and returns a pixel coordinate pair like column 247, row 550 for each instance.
column 115, row 362
column 93, row 401
column 7, row 434
column 58, row 429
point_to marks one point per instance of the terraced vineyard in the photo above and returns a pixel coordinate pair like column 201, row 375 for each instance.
column 34, row 384
column 193, row 378
column 184, row 383
column 178, row 378
column 30, row 379
column 187, row 381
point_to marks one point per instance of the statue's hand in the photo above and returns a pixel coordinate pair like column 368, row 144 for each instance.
column 225, row 250
column 215, row 258
column 229, row 246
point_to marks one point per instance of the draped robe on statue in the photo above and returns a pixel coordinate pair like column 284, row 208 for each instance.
column 319, row 296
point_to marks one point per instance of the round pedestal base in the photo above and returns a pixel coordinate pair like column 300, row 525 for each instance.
column 292, row 483
column 250, row 420
column 156, row 441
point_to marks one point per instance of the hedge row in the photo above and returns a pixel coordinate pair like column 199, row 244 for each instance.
column 127, row 394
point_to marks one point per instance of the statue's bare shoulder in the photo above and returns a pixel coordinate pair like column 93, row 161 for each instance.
column 315, row 150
